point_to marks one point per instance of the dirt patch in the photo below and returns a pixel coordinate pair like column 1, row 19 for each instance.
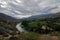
column 50, row 38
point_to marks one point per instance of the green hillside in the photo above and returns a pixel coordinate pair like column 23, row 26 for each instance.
column 8, row 31
column 43, row 26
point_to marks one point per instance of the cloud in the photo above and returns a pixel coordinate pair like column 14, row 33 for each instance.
column 27, row 8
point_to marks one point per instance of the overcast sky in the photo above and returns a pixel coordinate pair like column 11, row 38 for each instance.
column 27, row 8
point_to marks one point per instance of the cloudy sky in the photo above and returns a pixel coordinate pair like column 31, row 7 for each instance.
column 27, row 8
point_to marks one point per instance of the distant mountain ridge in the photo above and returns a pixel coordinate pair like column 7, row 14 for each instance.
column 6, row 17
column 51, row 15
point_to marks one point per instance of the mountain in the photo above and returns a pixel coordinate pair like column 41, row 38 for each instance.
column 4, row 16
column 7, row 24
column 43, row 16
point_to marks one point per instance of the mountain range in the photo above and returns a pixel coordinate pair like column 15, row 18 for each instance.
column 43, row 16
column 51, row 15
column 7, row 17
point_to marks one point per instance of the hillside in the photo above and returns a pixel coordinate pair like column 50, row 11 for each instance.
column 2, row 15
column 44, row 24
column 44, row 16
column 7, row 24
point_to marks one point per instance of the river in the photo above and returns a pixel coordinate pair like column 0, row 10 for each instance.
column 19, row 28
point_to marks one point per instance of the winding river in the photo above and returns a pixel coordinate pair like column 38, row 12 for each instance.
column 19, row 28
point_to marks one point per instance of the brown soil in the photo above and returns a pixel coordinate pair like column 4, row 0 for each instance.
column 50, row 38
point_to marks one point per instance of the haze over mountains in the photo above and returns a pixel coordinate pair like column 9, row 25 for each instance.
column 43, row 16
column 51, row 15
